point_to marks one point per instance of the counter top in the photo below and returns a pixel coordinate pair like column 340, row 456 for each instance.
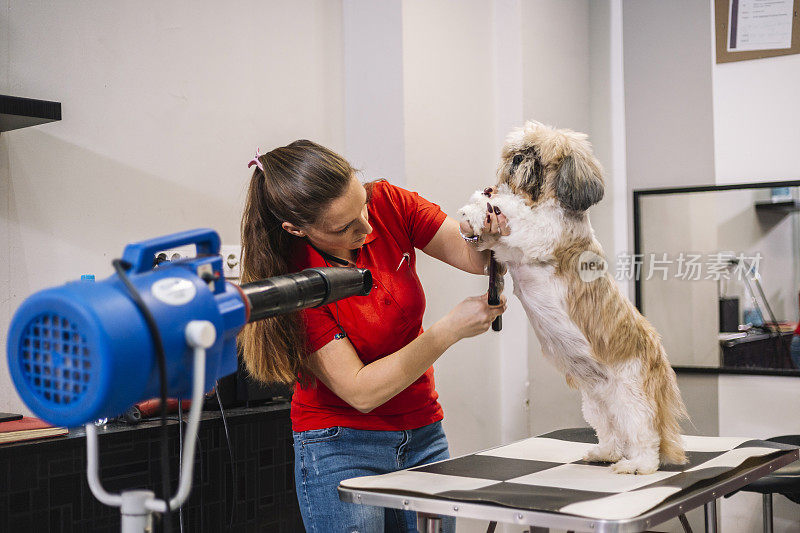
column 114, row 426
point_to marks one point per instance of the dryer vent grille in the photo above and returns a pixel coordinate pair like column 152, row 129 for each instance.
column 56, row 360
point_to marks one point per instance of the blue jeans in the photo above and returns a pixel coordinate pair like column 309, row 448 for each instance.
column 324, row 457
column 795, row 351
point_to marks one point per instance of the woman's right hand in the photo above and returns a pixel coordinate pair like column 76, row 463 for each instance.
column 473, row 316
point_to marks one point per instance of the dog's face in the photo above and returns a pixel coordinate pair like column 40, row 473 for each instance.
column 541, row 163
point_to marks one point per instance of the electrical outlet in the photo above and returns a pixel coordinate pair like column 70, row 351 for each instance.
column 174, row 254
column 231, row 257
column 231, row 260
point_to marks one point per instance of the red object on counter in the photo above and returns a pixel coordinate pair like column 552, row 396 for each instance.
column 28, row 428
column 152, row 407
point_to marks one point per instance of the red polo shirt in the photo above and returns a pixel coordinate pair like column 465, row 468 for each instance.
column 380, row 323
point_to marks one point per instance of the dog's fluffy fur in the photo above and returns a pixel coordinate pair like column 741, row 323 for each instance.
column 548, row 178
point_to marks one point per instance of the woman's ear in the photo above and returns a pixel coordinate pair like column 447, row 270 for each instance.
column 580, row 182
column 294, row 230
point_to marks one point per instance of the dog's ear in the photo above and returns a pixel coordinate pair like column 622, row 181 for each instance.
column 580, row 183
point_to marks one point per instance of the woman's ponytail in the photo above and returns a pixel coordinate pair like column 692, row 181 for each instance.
column 297, row 182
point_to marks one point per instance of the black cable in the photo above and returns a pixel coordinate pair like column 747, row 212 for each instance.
column 230, row 451
column 181, row 421
column 328, row 257
column 180, row 455
column 121, row 266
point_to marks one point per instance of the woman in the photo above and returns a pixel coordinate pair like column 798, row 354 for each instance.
column 364, row 400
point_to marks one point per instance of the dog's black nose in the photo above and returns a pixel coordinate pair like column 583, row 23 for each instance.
column 517, row 159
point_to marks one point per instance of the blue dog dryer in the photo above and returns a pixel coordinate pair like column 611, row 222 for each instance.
column 83, row 351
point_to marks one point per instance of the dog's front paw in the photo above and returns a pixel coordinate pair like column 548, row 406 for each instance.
column 474, row 213
column 598, row 454
column 628, row 466
column 468, row 214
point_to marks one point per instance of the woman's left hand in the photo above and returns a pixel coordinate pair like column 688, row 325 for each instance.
column 495, row 223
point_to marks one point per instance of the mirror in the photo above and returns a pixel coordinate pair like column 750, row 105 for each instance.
column 717, row 272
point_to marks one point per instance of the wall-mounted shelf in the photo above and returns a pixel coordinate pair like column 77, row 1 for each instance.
column 784, row 207
column 16, row 112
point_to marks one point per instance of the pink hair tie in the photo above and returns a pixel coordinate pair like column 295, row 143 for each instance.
column 255, row 161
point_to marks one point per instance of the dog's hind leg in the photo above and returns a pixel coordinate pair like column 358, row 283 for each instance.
column 635, row 416
column 641, row 453
column 609, row 447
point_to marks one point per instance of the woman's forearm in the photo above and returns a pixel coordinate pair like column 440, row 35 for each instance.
column 366, row 387
column 478, row 259
column 449, row 246
column 382, row 380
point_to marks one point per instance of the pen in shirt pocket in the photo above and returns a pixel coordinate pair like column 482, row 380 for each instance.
column 405, row 258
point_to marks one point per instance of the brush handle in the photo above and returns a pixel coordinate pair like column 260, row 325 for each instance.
column 497, row 324
column 494, row 295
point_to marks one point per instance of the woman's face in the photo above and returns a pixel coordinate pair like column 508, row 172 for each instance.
column 344, row 223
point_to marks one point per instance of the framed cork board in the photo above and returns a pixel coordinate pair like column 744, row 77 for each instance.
column 755, row 29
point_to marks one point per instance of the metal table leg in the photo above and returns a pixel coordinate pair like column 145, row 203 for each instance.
column 427, row 523
column 685, row 523
column 711, row 516
column 767, row 513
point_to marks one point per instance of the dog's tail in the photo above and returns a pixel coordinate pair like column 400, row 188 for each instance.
column 670, row 410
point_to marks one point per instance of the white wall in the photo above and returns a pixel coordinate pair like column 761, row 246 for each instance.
column 556, row 91
column 162, row 109
column 668, row 104
column 756, row 139
column 5, row 225
column 449, row 121
column 691, row 122
column 507, row 72
column 668, row 111
column 755, row 119
column 670, row 136
column 373, row 69
column 451, row 150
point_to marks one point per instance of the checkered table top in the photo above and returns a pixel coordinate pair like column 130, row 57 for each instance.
column 547, row 473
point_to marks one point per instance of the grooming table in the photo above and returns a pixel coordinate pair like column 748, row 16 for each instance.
column 542, row 482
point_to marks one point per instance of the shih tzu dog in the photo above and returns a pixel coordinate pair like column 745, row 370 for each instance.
column 548, row 178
